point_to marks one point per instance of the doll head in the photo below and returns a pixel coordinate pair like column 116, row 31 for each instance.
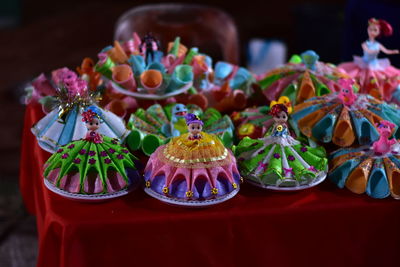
column 346, row 93
column 379, row 27
column 194, row 124
column 279, row 112
column 385, row 128
column 285, row 101
column 91, row 116
column 149, row 41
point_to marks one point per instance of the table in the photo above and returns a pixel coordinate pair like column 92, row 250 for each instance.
column 321, row 226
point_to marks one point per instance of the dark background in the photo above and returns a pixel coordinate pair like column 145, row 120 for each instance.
column 41, row 35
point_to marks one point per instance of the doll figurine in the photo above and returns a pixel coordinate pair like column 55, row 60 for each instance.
column 383, row 144
column 95, row 167
column 194, row 169
column 195, row 125
column 279, row 161
column 148, row 47
column 374, row 170
column 375, row 76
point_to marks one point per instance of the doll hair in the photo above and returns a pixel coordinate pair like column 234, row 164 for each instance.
column 90, row 113
column 192, row 118
column 384, row 26
column 278, row 108
column 386, row 123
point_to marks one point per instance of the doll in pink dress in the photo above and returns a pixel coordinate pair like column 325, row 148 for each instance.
column 375, row 76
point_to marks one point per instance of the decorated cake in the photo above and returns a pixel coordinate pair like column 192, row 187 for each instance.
column 193, row 169
column 139, row 68
column 344, row 118
column 92, row 168
column 302, row 78
column 371, row 169
column 278, row 161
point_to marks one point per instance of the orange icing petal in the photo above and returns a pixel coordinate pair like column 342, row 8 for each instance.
column 393, row 175
column 343, row 134
column 307, row 123
column 336, row 162
column 358, row 178
column 307, row 88
column 117, row 54
column 372, row 117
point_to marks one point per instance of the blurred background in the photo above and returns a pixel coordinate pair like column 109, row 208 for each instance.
column 41, row 35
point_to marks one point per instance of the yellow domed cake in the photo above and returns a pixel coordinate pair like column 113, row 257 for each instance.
column 192, row 169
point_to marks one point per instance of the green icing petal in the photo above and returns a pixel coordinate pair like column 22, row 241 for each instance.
column 66, row 165
column 300, row 172
column 274, row 169
column 291, row 92
column 116, row 163
column 313, row 159
column 267, row 81
column 248, row 162
column 246, row 144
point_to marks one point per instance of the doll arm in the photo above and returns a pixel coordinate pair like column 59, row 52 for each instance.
column 388, row 51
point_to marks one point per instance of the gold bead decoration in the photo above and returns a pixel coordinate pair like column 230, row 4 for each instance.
column 214, row 191
column 189, row 194
column 148, row 183
column 165, row 190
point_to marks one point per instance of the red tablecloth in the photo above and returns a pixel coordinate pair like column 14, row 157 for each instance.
column 322, row 226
